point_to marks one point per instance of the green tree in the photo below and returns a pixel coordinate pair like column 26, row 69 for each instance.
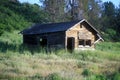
column 93, row 12
column 118, row 23
column 54, row 9
column 108, row 15
column 17, row 16
column 109, row 21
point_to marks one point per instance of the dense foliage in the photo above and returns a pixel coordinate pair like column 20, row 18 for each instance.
column 17, row 16
column 104, row 16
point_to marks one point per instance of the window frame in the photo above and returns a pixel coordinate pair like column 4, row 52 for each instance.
column 84, row 43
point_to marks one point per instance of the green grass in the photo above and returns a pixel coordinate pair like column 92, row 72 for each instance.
column 18, row 62
column 109, row 46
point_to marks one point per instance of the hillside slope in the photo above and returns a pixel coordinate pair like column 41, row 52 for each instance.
column 18, row 62
column 17, row 16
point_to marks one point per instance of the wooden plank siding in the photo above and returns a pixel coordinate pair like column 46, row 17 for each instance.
column 67, row 35
column 80, row 31
column 56, row 39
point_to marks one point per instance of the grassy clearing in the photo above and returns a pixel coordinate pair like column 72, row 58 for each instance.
column 17, row 62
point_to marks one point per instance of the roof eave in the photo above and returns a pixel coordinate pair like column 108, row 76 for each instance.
column 100, row 37
column 92, row 26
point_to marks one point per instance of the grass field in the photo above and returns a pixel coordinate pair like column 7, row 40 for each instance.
column 17, row 62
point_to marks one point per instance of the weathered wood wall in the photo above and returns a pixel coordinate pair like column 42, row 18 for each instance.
column 30, row 39
column 80, row 31
column 54, row 40
column 59, row 39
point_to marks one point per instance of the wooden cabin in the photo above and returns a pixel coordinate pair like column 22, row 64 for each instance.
column 69, row 35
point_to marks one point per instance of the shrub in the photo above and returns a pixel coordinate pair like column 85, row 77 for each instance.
column 1, row 29
column 54, row 76
column 116, row 76
column 38, row 76
column 96, row 77
column 100, row 77
column 108, row 46
column 81, row 64
column 86, row 72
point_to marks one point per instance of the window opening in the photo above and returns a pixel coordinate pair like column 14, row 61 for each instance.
column 84, row 43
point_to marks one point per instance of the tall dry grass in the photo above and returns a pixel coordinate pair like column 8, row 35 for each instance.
column 19, row 62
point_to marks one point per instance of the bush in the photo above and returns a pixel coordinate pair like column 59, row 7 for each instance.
column 54, row 76
column 100, row 77
column 108, row 46
column 110, row 35
column 96, row 77
column 116, row 76
column 38, row 76
column 86, row 72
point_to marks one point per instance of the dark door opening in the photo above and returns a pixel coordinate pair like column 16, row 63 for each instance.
column 43, row 42
column 71, row 43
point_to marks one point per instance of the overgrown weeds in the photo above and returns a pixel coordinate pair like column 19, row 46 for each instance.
column 20, row 62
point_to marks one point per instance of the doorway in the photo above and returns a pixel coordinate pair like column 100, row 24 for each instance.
column 70, row 43
column 43, row 42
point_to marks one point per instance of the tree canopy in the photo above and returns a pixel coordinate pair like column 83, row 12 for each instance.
column 104, row 16
column 15, row 15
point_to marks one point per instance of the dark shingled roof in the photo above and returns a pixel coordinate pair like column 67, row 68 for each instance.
column 51, row 27
column 55, row 27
